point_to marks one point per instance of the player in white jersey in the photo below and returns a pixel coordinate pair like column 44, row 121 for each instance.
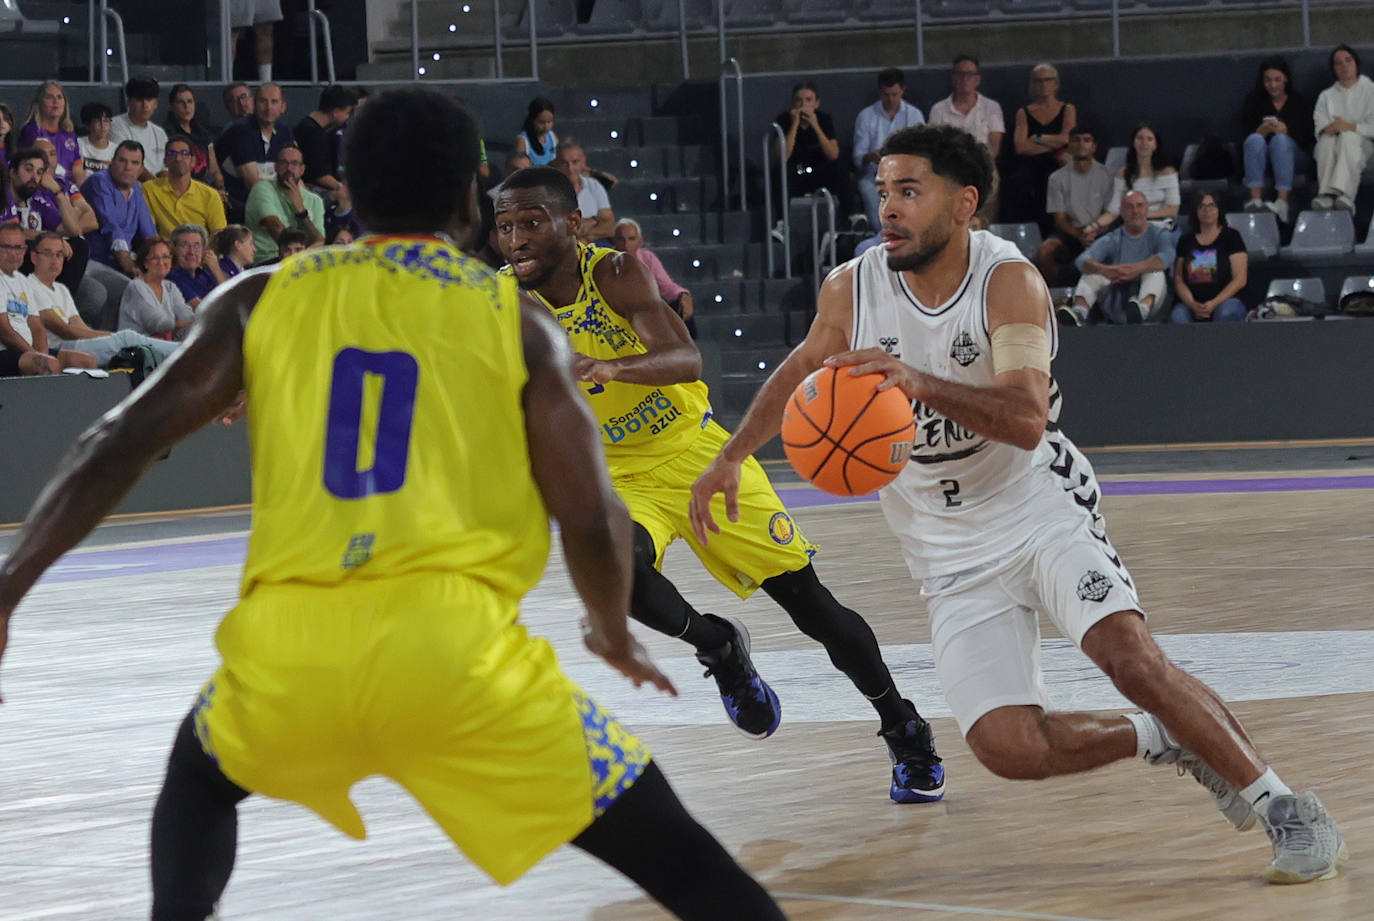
column 997, row 511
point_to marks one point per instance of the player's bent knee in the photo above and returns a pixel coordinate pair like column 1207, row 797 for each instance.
column 1010, row 742
column 645, row 554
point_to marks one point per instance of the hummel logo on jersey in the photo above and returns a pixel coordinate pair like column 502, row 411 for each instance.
column 965, row 350
column 889, row 344
column 1093, row 586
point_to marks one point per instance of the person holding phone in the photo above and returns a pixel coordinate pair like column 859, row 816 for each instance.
column 1278, row 120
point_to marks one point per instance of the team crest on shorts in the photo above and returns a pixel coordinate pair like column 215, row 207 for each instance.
column 1093, row 586
column 781, row 529
column 965, row 350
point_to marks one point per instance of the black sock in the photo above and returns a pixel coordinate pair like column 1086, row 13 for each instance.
column 656, row 603
column 195, row 832
column 648, row 835
column 846, row 636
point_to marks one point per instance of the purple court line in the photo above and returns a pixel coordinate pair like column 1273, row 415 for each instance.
column 199, row 553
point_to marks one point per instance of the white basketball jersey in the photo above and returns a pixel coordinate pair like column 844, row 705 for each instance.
column 964, row 499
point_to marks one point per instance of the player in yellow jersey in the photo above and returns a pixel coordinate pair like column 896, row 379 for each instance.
column 411, row 424
column 641, row 375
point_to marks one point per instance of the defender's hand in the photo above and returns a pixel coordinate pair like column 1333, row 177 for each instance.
column 875, row 361
column 586, row 368
column 722, row 476
column 629, row 658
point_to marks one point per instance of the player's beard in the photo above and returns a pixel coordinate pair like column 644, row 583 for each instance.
column 930, row 243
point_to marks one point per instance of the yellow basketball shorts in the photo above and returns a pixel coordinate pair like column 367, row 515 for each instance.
column 427, row 680
column 765, row 542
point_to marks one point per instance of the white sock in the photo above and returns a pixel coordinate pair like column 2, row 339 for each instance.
column 264, row 73
column 1148, row 738
column 1264, row 789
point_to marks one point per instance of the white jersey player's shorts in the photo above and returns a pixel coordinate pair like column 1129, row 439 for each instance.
column 984, row 623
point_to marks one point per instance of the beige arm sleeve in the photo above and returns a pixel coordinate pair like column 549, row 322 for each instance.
column 1020, row 345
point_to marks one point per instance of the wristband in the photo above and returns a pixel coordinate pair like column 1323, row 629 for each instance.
column 302, row 215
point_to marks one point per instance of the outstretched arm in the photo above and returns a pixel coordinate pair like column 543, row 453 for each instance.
column 190, row 389
column 672, row 356
column 829, row 333
column 594, row 524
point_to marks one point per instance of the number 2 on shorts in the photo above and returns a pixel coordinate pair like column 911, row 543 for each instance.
column 951, row 490
column 400, row 374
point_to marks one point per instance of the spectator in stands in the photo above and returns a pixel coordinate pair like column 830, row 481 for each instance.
column 813, row 152
column 151, row 304
column 183, row 122
column 872, row 126
column 16, row 363
column 1279, row 122
column 67, row 332
column 980, row 116
column 137, row 124
column 55, row 183
column 1210, row 268
column 248, row 147
column 1077, row 197
column 36, row 202
column 1344, row 122
column 235, row 249
column 598, row 220
column 1040, row 141
column 175, row 198
column 293, row 241
column 315, row 136
column 50, row 118
column 20, row 327
column 629, row 238
column 125, row 221
column 196, row 269
column 339, row 236
column 96, row 147
column 1123, row 271
column 261, row 16
column 283, row 202
column 238, row 101
column 7, row 144
column 1147, row 172
column 536, row 139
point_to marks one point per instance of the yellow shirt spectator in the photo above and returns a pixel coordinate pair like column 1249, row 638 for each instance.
column 199, row 204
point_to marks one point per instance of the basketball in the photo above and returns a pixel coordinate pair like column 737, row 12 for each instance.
column 845, row 435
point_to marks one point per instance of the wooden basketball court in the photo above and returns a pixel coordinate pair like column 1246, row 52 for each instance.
column 1262, row 589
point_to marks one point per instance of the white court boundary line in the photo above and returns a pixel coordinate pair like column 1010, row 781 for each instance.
column 927, row 906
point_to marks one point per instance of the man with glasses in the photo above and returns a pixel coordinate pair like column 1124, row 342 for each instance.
column 980, row 116
column 197, row 268
column 238, row 101
column 175, row 198
column 283, row 203
column 75, row 343
column 20, row 327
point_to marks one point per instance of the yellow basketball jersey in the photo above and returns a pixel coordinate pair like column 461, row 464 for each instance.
column 384, row 388
column 641, row 426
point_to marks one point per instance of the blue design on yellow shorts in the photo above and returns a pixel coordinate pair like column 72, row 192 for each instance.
column 616, row 757
column 204, row 700
column 359, row 550
column 781, row 529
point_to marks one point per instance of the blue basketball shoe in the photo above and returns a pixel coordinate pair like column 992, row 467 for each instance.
column 917, row 775
column 749, row 701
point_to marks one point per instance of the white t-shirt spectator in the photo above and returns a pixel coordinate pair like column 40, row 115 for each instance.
column 1081, row 196
column 57, row 298
column 591, row 198
column 1159, row 190
column 983, row 119
column 19, row 303
column 152, row 136
column 94, row 158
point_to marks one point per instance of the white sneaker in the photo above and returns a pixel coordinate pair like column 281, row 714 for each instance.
column 1307, row 844
column 1323, row 202
column 1280, row 209
column 1257, row 204
column 1235, row 807
column 1343, row 203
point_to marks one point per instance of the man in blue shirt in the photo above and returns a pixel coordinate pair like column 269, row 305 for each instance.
column 872, row 126
column 1123, row 271
column 125, row 221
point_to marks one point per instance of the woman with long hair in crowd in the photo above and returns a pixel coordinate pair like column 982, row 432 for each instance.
column 1148, row 172
column 536, row 138
column 1211, row 267
column 50, row 117
column 1281, row 134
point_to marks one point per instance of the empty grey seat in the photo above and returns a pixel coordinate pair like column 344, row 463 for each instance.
column 821, row 12
column 552, row 18
column 662, row 15
column 1308, row 289
column 752, row 14
column 1031, row 7
column 1321, row 233
column 888, row 11
column 612, row 17
column 1026, row 236
column 1259, row 230
column 957, row 9
column 1367, row 247
column 1356, row 283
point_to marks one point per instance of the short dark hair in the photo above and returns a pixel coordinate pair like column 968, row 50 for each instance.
column 141, row 88
column 45, row 235
column 1082, row 128
column 93, row 111
column 1331, row 59
column 1273, row 62
column 1195, row 202
column 335, row 97
column 805, row 85
column 891, row 76
column 26, row 153
column 953, row 153
column 130, row 144
column 180, row 139
column 229, row 91
column 558, row 185
column 292, row 235
column 439, row 135
column 961, row 58
column 289, row 145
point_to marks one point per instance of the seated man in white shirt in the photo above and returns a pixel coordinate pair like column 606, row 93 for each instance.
column 137, row 124
column 76, row 344
column 598, row 220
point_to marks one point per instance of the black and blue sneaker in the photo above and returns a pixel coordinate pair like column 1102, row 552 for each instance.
column 749, row 701
column 917, row 775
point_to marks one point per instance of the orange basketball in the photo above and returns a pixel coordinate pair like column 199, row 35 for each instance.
column 844, row 434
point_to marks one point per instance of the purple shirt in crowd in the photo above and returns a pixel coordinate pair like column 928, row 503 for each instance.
column 229, row 267
column 38, row 213
column 668, row 289
column 68, row 151
column 123, row 221
column 193, row 286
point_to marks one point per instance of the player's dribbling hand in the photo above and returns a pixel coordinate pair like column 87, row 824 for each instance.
column 896, row 373
column 629, row 658
column 586, row 368
column 721, row 476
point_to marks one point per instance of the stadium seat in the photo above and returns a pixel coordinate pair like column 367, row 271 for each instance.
column 1321, row 233
column 1026, row 236
column 888, row 11
column 1367, row 247
column 552, row 19
column 1259, row 230
column 1356, row 283
column 751, row 14
column 612, row 17
column 662, row 15
column 957, row 9
column 820, row 12
column 1308, row 289
column 1030, row 7
column 1116, row 158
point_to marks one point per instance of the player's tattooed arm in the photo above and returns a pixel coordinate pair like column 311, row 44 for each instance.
column 191, row 388
column 672, row 356
column 570, row 471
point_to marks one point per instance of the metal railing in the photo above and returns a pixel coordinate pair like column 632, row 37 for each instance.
column 775, row 140
column 725, row 68
column 108, row 16
column 317, row 16
column 819, row 197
